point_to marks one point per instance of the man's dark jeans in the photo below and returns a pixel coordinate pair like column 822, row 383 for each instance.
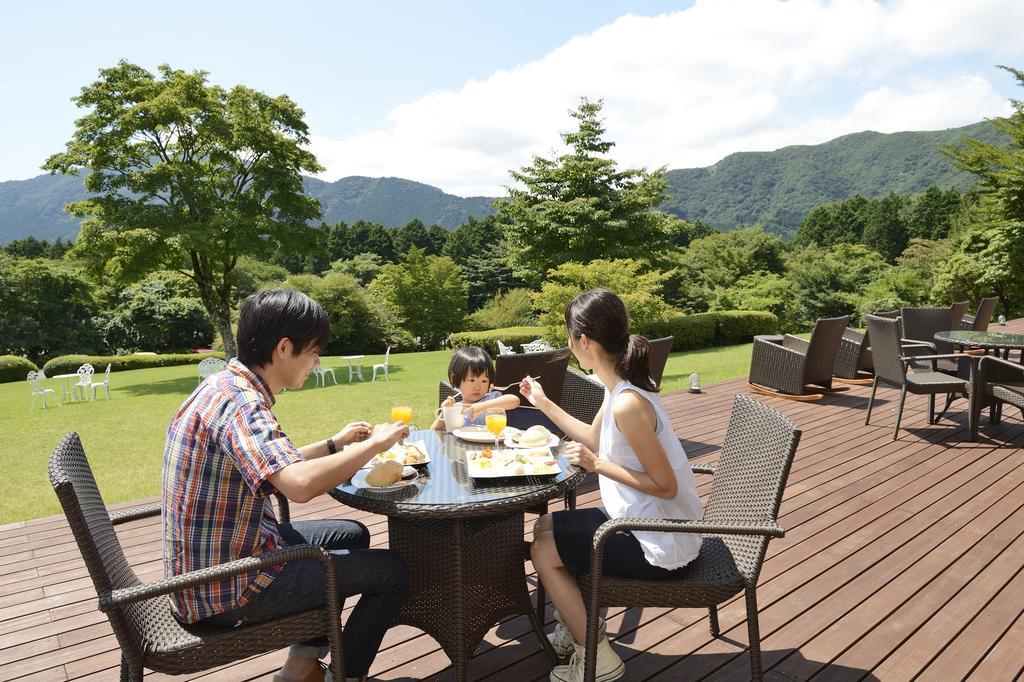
column 378, row 575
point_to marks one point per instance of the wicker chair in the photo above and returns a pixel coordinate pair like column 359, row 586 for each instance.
column 786, row 369
column 140, row 613
column 548, row 367
column 998, row 381
column 979, row 321
column 739, row 519
column 891, row 367
column 660, row 349
column 919, row 327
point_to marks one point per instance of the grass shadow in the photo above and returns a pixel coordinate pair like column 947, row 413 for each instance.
column 183, row 386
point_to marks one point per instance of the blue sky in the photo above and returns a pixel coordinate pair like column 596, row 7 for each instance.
column 456, row 93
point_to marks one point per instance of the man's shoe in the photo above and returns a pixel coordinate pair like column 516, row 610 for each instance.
column 315, row 675
column 562, row 640
column 609, row 665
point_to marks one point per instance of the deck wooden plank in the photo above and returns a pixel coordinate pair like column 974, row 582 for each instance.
column 895, row 551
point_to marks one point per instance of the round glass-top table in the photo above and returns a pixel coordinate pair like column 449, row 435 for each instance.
column 989, row 340
column 463, row 541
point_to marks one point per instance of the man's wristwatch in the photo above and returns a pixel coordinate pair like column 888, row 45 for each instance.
column 331, row 447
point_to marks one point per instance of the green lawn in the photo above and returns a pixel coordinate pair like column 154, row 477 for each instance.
column 124, row 437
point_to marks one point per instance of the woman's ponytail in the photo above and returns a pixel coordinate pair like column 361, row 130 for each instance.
column 635, row 363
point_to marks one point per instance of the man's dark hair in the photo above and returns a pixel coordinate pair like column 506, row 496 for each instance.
column 269, row 316
column 469, row 360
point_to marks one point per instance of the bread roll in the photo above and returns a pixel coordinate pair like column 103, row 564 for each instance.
column 535, row 436
column 384, row 473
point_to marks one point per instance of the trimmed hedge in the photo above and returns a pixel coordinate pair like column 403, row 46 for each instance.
column 15, row 368
column 722, row 328
column 702, row 330
column 488, row 340
column 66, row 364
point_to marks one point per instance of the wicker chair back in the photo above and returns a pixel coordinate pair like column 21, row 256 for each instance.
column 824, row 345
column 984, row 314
column 548, row 367
column 920, row 324
column 660, row 348
column 750, row 477
column 76, row 489
column 886, row 349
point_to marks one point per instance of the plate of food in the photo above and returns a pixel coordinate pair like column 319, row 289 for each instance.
column 534, row 437
column 387, row 475
column 477, row 434
column 490, row 463
column 413, row 453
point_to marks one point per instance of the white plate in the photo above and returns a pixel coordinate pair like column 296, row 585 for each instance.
column 359, row 480
column 477, row 434
column 506, row 463
column 553, row 440
column 395, row 450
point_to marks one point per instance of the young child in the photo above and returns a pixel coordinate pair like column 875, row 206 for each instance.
column 642, row 470
column 471, row 371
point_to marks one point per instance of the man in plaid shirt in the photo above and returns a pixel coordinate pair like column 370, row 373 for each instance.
column 226, row 455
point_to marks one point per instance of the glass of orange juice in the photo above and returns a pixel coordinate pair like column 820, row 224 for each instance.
column 401, row 412
column 495, row 420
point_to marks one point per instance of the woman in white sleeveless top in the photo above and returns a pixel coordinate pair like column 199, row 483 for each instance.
column 642, row 470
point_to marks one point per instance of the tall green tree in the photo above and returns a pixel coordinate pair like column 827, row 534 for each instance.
column 990, row 243
column 428, row 292
column 580, row 207
column 188, row 176
column 885, row 229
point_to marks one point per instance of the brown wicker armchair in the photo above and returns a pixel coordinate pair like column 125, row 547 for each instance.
column 785, row 370
column 998, row 381
column 891, row 365
column 978, row 322
column 740, row 517
column 140, row 613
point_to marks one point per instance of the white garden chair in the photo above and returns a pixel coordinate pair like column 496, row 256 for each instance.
column 505, row 350
column 36, row 379
column 84, row 383
column 210, row 366
column 321, row 375
column 384, row 367
column 105, row 384
column 538, row 346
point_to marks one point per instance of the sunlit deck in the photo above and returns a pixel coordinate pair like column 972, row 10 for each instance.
column 901, row 559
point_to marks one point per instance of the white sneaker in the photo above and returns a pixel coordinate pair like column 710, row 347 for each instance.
column 609, row 665
column 562, row 640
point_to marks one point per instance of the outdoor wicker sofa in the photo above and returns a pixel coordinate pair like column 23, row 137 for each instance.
column 140, row 613
column 740, row 517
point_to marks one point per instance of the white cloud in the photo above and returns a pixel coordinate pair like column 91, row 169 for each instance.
column 687, row 88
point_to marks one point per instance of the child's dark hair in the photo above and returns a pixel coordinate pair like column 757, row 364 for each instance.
column 469, row 360
column 269, row 316
column 602, row 316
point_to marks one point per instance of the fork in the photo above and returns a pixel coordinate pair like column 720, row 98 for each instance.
column 497, row 388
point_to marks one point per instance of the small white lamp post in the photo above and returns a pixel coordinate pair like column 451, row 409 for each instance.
column 1002, row 320
column 694, row 383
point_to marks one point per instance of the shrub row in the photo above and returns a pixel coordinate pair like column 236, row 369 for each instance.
column 722, row 328
column 488, row 340
column 15, row 368
column 65, row 364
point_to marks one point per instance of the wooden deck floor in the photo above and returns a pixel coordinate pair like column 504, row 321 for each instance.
column 902, row 560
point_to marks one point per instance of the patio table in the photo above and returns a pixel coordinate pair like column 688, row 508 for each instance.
column 354, row 370
column 463, row 542
column 67, row 388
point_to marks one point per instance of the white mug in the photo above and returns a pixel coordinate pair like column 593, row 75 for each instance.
column 452, row 416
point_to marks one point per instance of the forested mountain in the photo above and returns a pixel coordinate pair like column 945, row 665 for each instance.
column 393, row 202
column 775, row 189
